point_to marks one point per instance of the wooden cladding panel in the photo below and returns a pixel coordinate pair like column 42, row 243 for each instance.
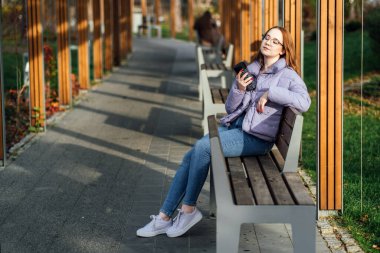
column 190, row 6
column 144, row 11
column 330, row 104
column 123, row 29
column 157, row 11
column 257, row 28
column 35, row 50
column 293, row 23
column 339, row 105
column 108, row 35
column 236, row 32
column 97, row 40
column 270, row 14
column 116, row 32
column 63, row 54
column 225, row 21
column 172, row 18
column 83, row 52
column 245, row 30
column 130, row 4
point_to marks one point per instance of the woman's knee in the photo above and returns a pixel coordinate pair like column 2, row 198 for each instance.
column 202, row 145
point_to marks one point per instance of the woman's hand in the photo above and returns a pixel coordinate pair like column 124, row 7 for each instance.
column 241, row 82
column 262, row 101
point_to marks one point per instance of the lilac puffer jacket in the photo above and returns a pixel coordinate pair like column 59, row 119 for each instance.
column 286, row 88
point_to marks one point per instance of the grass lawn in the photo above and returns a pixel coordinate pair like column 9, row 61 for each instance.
column 361, row 140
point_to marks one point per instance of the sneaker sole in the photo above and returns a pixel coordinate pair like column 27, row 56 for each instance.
column 159, row 232
column 190, row 225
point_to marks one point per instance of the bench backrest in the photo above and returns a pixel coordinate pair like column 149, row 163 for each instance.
column 288, row 142
column 229, row 55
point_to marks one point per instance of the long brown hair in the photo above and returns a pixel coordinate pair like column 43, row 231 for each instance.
column 288, row 47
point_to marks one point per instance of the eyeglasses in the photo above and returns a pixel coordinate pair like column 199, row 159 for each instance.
column 275, row 41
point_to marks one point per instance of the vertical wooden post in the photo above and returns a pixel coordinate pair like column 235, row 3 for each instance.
column 227, row 17
column 237, row 35
column 108, row 34
column 270, row 14
column 2, row 114
column 144, row 11
column 123, row 29
column 63, row 53
column 130, row 4
column 293, row 23
column 257, row 27
column 36, row 68
column 83, row 52
column 245, row 30
column 172, row 18
column 116, row 33
column 190, row 8
column 97, row 40
column 157, row 11
column 330, row 62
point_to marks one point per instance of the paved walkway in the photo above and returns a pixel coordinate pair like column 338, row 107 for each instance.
column 97, row 174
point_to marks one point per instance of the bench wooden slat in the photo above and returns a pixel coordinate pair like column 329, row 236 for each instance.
column 260, row 189
column 290, row 115
column 242, row 192
column 275, row 182
column 297, row 188
column 216, row 96
column 282, row 146
column 224, row 93
column 285, row 131
column 278, row 158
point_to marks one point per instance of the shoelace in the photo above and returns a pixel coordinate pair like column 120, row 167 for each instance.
column 177, row 218
column 153, row 218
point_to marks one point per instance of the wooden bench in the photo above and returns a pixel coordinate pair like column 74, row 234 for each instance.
column 148, row 26
column 215, row 55
column 262, row 189
column 213, row 100
column 213, row 70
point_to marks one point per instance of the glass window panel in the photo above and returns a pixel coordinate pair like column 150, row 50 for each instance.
column 15, row 71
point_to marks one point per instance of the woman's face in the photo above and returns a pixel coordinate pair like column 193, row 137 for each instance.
column 272, row 44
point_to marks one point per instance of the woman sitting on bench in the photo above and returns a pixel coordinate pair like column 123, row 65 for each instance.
column 250, row 128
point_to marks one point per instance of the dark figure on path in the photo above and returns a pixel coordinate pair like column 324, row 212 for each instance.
column 207, row 30
column 250, row 128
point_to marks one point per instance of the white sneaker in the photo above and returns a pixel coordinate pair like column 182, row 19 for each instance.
column 183, row 222
column 155, row 227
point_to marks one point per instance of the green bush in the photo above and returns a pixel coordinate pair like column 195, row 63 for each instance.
column 371, row 24
column 352, row 26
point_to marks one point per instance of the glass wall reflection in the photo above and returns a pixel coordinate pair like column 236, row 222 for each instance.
column 362, row 122
column 15, row 70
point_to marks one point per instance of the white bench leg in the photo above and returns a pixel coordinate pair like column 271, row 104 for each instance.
column 303, row 232
column 212, row 196
column 227, row 235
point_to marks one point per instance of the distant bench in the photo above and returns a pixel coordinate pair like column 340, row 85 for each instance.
column 262, row 189
column 215, row 69
column 214, row 98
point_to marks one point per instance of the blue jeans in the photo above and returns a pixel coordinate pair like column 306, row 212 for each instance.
column 192, row 173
